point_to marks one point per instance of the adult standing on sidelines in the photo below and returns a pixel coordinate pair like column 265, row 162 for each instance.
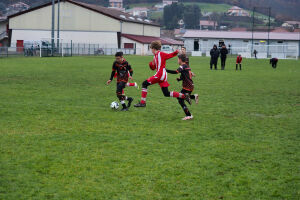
column 214, row 56
column 255, row 53
column 224, row 53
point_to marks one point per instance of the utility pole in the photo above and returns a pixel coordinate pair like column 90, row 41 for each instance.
column 253, row 13
column 58, row 15
column 269, row 28
column 52, row 28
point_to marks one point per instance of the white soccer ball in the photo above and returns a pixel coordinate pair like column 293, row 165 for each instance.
column 114, row 105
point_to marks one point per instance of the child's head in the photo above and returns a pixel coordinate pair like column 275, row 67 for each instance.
column 181, row 59
column 240, row 55
column 155, row 46
column 183, row 50
column 119, row 57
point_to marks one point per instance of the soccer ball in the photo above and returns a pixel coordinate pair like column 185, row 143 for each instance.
column 114, row 105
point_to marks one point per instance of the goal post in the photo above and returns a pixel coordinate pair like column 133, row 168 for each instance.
column 61, row 47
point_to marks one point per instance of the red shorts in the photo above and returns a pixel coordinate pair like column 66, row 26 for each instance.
column 153, row 79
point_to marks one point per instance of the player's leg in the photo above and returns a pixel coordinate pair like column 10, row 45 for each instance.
column 211, row 64
column 236, row 66
column 142, row 103
column 174, row 94
column 121, row 97
column 185, row 109
column 240, row 66
column 132, row 85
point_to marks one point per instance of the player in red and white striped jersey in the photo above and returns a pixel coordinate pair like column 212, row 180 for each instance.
column 160, row 77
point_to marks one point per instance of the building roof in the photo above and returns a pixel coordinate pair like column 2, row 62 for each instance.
column 239, row 29
column 110, row 12
column 116, row 1
column 293, row 22
column 241, row 35
column 149, row 39
column 208, row 23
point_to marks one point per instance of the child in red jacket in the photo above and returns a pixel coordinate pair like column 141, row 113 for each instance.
column 239, row 62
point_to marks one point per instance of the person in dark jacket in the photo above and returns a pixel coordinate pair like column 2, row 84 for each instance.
column 274, row 62
column 255, row 53
column 224, row 53
column 214, row 56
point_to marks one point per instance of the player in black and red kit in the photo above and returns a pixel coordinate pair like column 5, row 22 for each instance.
column 187, row 84
column 124, row 72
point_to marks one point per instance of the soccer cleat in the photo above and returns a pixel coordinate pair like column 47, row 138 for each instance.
column 136, row 86
column 187, row 118
column 124, row 109
column 188, row 98
column 129, row 101
column 140, row 105
column 196, row 98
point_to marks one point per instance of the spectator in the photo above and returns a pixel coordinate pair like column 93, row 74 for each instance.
column 224, row 53
column 255, row 53
column 214, row 55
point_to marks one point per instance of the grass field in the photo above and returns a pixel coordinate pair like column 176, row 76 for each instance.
column 59, row 139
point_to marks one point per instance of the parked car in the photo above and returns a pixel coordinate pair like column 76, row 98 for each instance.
column 167, row 49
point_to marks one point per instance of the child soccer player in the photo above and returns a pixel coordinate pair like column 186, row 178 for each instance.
column 124, row 71
column 160, row 77
column 274, row 62
column 183, row 51
column 187, row 84
column 127, row 84
column 238, row 62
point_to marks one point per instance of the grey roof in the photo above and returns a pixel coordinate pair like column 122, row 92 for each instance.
column 241, row 35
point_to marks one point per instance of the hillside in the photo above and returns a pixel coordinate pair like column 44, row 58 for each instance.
column 282, row 9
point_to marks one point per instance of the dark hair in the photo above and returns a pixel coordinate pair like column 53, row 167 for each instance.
column 156, row 45
column 183, row 48
column 119, row 54
column 182, row 57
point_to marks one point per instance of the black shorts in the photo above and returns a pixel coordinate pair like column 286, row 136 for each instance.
column 120, row 86
column 183, row 91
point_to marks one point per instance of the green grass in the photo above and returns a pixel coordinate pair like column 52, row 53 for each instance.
column 60, row 140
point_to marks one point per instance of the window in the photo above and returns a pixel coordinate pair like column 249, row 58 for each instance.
column 246, row 41
column 196, row 45
column 280, row 42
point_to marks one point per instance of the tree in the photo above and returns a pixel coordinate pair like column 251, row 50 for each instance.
column 192, row 16
column 172, row 14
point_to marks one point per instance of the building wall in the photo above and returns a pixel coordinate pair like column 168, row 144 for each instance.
column 3, row 27
column 151, row 31
column 240, row 45
column 132, row 28
column 105, row 39
column 72, row 17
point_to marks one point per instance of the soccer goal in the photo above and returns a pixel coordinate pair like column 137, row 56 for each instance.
column 60, row 47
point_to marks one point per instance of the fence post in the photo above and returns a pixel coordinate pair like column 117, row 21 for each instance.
column 71, row 48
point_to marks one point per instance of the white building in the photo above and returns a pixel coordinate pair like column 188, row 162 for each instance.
column 79, row 23
column 282, row 45
column 237, row 11
column 116, row 4
column 138, row 11
column 142, row 43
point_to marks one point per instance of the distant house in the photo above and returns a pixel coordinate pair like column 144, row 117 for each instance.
column 3, row 32
column 138, row 11
column 237, row 11
column 117, row 4
column 169, row 2
column 295, row 24
column 208, row 25
column 17, row 7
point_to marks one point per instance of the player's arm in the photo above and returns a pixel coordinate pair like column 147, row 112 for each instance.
column 172, row 71
column 170, row 55
column 130, row 71
column 114, row 68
